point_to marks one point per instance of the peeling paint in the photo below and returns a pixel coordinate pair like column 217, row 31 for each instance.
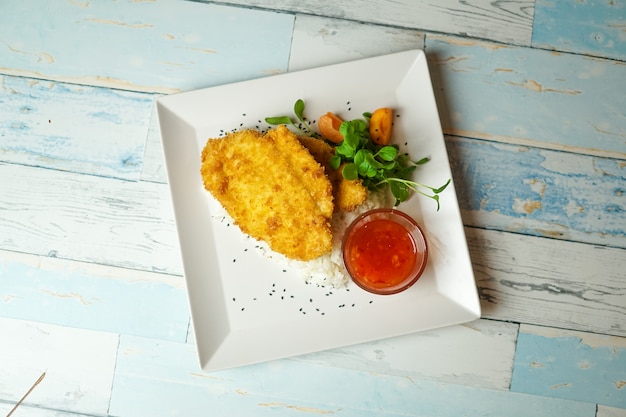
column 298, row 408
column 537, row 87
column 70, row 295
column 564, row 385
column 526, row 206
column 118, row 23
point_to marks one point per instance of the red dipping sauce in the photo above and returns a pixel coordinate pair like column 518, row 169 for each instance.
column 384, row 251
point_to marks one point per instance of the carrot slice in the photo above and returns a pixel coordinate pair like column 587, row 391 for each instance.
column 380, row 125
column 329, row 127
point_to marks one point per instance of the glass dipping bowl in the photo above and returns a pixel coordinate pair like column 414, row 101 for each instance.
column 384, row 251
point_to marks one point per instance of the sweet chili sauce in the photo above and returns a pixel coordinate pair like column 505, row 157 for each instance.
column 384, row 251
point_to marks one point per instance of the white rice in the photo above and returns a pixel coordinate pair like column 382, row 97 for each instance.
column 328, row 270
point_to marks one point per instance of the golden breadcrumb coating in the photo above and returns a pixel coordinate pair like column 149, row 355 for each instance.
column 273, row 189
column 348, row 194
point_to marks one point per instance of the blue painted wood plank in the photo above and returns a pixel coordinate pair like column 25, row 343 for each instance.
column 540, row 192
column 162, row 378
column 142, row 45
column 585, row 27
column 529, row 96
column 93, row 297
column 75, row 128
column 573, row 365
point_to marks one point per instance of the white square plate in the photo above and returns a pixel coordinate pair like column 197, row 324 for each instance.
column 246, row 308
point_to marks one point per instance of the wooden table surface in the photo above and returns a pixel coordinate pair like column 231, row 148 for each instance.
column 532, row 98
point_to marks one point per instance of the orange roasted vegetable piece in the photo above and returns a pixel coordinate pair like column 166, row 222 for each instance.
column 329, row 127
column 380, row 125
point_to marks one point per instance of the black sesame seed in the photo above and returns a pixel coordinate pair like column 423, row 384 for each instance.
column 233, row 298
column 243, row 308
column 371, row 301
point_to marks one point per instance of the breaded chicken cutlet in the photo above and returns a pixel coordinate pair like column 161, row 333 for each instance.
column 348, row 194
column 273, row 189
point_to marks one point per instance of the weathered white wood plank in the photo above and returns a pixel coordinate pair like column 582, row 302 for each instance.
column 29, row 411
column 162, row 378
column 72, row 127
column 540, row 192
column 87, row 218
column 92, row 296
column 528, row 96
column 78, row 363
column 321, row 41
column 605, row 411
column 478, row 354
column 586, row 27
column 141, row 45
column 549, row 282
column 572, row 365
column 509, row 21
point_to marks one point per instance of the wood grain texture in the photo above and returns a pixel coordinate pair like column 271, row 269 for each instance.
column 606, row 411
column 478, row 354
column 321, row 41
column 29, row 411
column 78, row 363
column 528, row 96
column 75, row 128
column 549, row 282
column 540, row 192
column 88, row 218
column 160, row 378
column 142, row 45
column 574, row 365
column 596, row 28
column 92, row 296
column 509, row 21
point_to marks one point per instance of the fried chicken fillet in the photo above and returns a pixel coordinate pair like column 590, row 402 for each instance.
column 273, row 189
column 348, row 194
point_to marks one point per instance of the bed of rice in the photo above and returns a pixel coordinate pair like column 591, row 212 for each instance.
column 328, row 270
